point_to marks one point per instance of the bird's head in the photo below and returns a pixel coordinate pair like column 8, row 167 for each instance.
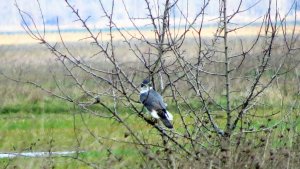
column 145, row 85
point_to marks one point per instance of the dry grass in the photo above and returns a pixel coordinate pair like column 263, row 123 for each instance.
column 21, row 38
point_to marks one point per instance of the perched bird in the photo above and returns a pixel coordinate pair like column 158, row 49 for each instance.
column 154, row 104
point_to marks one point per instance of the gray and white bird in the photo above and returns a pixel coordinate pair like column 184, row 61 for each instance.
column 154, row 103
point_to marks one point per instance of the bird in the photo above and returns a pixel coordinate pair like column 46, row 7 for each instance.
column 154, row 103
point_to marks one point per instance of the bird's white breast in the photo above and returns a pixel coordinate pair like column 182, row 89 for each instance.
column 145, row 90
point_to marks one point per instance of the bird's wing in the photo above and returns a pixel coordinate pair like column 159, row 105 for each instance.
column 159, row 99
column 152, row 100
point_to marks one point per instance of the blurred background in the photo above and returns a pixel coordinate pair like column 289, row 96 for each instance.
column 54, row 9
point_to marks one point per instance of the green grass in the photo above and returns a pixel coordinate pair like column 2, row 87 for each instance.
column 35, row 122
column 37, row 107
column 25, row 132
column 29, row 131
column 49, row 124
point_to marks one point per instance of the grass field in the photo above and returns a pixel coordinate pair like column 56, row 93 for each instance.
column 102, row 142
column 30, row 132
column 31, row 120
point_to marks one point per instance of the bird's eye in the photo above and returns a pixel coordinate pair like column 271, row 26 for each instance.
column 142, row 85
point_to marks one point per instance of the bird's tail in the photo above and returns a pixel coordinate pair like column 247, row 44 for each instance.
column 167, row 123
